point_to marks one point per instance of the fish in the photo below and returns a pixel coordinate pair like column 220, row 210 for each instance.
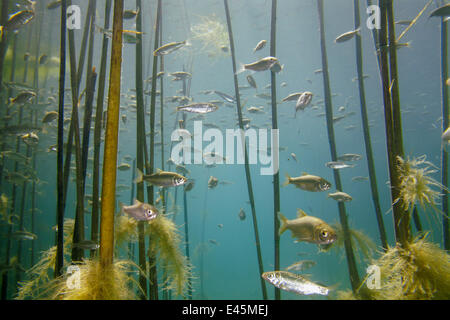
column 204, row 107
column 251, row 81
column 23, row 235
column 301, row 265
column 18, row 20
column 161, row 178
column 242, row 215
column 122, row 187
column 360, row 179
column 214, row 242
column 336, row 165
column 22, row 98
column 225, row 96
column 303, row 101
column 403, row 22
column 54, row 4
column 86, row 245
column 350, row 157
column 130, row 14
column 169, row 47
column 43, row 59
column 123, row 167
column 260, row 45
column 308, row 182
column 14, row 156
column 30, row 139
column 140, row 211
column 255, row 110
column 307, row 228
column 292, row 97
column 347, row 35
column 294, row 157
column 130, row 38
column 220, row 225
column 443, row 11
column 182, row 169
column 189, row 185
column 180, row 75
column 260, row 65
column 212, row 182
column 50, row 116
column 340, row 196
column 295, row 283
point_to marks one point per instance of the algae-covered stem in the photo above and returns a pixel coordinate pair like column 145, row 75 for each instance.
column 445, row 124
column 3, row 46
column 153, row 292
column 366, row 131
column 276, row 176
column 247, row 168
column 401, row 217
column 98, row 130
column 140, row 141
column 351, row 263
column 111, row 142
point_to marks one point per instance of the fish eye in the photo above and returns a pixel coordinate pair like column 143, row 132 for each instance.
column 324, row 234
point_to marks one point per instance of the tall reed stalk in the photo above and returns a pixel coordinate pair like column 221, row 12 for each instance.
column 111, row 142
column 351, row 263
column 247, row 167
column 366, row 131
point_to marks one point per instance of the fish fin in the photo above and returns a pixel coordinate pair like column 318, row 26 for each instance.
column 304, row 173
column 140, row 176
column 240, row 69
column 288, row 178
column 301, row 213
column 283, row 226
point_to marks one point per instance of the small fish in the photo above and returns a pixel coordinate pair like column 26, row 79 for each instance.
column 242, row 215
column 220, row 225
column 124, row 118
column 182, row 169
column 336, row 165
column 198, row 107
column 161, row 178
column 443, row 11
column 30, row 139
column 350, row 157
column 180, row 75
column 292, row 97
column 360, row 179
column 23, row 97
column 123, row 167
column 86, row 245
column 403, row 22
column 347, row 36
column 212, row 182
column 255, row 110
column 260, row 45
column 251, row 81
column 225, row 96
column 303, row 101
column 307, row 228
column 340, row 196
column 130, row 14
column 260, row 65
column 23, row 235
column 189, row 185
column 18, row 20
column 26, row 56
column 54, row 5
column 50, row 116
column 301, row 265
column 169, row 47
column 308, row 182
column 265, row 96
column 43, row 59
column 294, row 157
column 294, row 283
column 130, row 38
column 140, row 211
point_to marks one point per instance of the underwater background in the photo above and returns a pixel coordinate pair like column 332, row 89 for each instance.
column 221, row 244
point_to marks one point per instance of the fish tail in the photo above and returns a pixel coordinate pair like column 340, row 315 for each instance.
column 287, row 181
column 241, row 68
column 140, row 176
column 358, row 30
column 283, row 226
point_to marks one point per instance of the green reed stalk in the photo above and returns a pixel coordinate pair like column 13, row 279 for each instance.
column 150, row 169
column 140, row 140
column 366, row 131
column 247, row 167
column 111, row 142
column 392, row 118
column 3, row 46
column 351, row 263
column 276, row 176
column 98, row 130
column 445, row 124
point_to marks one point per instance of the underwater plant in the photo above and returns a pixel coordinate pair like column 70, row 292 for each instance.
column 416, row 183
column 213, row 35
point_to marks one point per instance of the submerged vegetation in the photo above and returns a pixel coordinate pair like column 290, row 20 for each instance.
column 212, row 35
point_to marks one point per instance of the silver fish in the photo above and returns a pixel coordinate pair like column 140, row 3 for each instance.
column 260, row 45
column 301, row 265
column 198, row 107
column 338, row 165
column 242, row 214
column 294, row 283
column 23, row 235
column 169, row 47
column 212, row 182
column 251, row 81
column 350, row 157
column 140, row 211
column 86, row 245
column 347, row 36
column 260, row 65
column 303, row 101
